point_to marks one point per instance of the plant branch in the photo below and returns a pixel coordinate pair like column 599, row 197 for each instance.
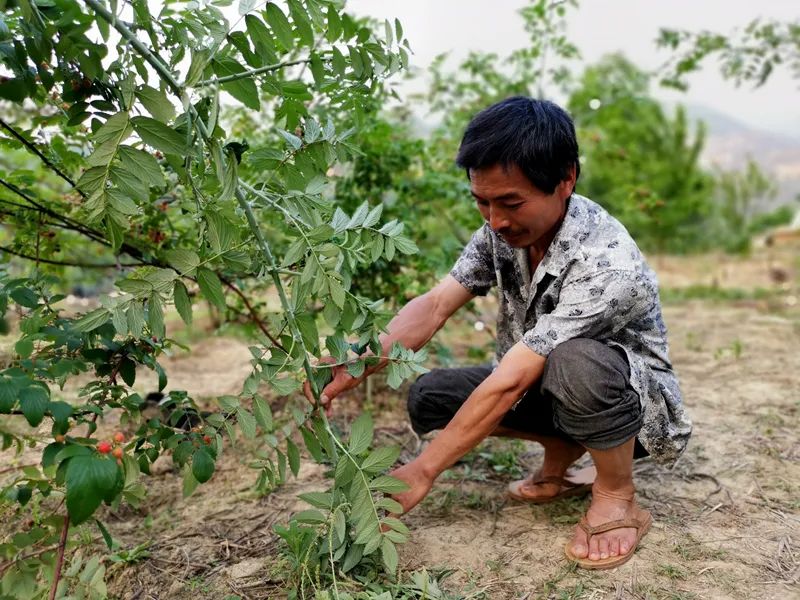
column 62, row 544
column 251, row 72
column 30, row 145
column 64, row 263
column 253, row 313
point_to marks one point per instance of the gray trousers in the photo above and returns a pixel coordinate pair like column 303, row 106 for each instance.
column 584, row 395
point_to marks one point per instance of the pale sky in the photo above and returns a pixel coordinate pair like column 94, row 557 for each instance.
column 602, row 26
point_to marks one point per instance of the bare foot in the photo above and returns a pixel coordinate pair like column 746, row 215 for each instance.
column 605, row 507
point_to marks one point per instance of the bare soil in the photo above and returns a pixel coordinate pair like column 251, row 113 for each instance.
column 727, row 515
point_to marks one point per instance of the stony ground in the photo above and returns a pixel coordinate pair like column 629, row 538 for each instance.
column 727, row 516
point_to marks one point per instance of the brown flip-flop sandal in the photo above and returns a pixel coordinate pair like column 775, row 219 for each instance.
column 569, row 487
column 642, row 527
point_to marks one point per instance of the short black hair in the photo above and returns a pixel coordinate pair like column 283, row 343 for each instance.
column 536, row 135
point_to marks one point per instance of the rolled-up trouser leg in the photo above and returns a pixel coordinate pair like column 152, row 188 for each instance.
column 436, row 396
column 593, row 403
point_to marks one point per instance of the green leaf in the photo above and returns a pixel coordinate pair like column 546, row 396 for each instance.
column 106, row 536
column 115, row 129
column 24, row 347
column 92, row 320
column 156, row 103
column 373, row 217
column 317, row 499
column 25, row 297
column 155, row 316
column 247, row 422
column 358, row 217
column 190, row 483
column 156, row 134
column 221, row 232
column 202, row 465
column 8, row 394
column 184, row 261
column 334, row 24
column 136, row 318
column 245, row 89
column 312, row 444
column 361, row 434
column 89, row 479
column 127, row 370
column 33, row 400
column 380, row 459
column 353, row 557
column 389, row 555
column 280, row 25
column 263, row 413
column 180, row 296
column 211, row 287
column 393, row 506
column 313, row 517
column 140, row 164
column 388, row 485
column 293, row 454
column 337, row 292
column 296, row 251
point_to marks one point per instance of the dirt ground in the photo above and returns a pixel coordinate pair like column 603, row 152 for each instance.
column 727, row 515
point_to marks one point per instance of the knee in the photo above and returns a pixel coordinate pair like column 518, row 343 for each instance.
column 583, row 372
column 418, row 398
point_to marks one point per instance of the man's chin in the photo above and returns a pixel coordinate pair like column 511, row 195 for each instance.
column 516, row 241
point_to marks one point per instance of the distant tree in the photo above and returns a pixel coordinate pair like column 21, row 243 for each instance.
column 640, row 163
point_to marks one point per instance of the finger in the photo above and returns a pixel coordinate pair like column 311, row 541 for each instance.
column 307, row 392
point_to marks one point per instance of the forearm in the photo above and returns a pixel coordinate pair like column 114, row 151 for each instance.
column 413, row 327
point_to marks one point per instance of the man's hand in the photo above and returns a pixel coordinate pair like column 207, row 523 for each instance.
column 341, row 382
column 419, row 482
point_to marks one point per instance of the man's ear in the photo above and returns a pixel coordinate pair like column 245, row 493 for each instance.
column 568, row 184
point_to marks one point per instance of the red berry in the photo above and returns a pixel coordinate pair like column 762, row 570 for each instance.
column 59, row 438
column 119, row 437
column 104, row 447
column 117, row 453
column 206, row 440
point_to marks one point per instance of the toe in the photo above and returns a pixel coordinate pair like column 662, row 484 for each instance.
column 594, row 550
column 602, row 546
column 613, row 546
column 578, row 545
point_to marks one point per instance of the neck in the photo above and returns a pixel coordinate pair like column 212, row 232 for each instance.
column 540, row 246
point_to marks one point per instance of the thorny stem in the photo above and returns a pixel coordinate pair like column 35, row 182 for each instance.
column 253, row 313
column 62, row 544
column 251, row 72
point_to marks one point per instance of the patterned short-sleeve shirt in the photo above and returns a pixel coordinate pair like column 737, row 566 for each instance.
column 593, row 282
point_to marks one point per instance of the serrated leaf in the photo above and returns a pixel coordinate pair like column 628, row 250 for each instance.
column 358, row 217
column 280, row 25
column 390, row 504
column 156, row 102
column 92, row 320
column 127, row 370
column 89, row 480
column 183, row 304
column 136, row 318
column 190, row 483
column 337, row 292
column 140, row 164
column 293, row 454
column 294, row 141
column 221, row 232
column 313, row 517
column 339, row 524
column 244, row 89
column 33, row 401
column 154, row 133
column 296, row 251
column 263, row 413
column 388, row 485
column 247, row 422
column 361, row 434
column 24, row 347
column 317, row 499
column 389, row 555
column 155, row 316
column 210, row 287
column 184, row 261
column 202, row 465
column 352, row 558
column 374, row 216
column 380, row 459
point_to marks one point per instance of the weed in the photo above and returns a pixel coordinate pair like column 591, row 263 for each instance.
column 671, row 571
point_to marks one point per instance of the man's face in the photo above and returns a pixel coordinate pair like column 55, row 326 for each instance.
column 514, row 208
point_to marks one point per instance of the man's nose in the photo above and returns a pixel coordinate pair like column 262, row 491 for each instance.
column 497, row 219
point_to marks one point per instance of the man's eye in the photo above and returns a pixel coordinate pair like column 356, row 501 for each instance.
column 514, row 206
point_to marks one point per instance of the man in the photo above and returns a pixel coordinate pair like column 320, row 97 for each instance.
column 581, row 344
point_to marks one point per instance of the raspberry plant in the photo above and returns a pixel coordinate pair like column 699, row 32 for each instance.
column 120, row 159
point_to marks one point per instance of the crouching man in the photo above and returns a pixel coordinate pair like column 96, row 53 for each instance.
column 582, row 360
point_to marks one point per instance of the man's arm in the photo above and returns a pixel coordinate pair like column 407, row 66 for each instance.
column 519, row 369
column 413, row 326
